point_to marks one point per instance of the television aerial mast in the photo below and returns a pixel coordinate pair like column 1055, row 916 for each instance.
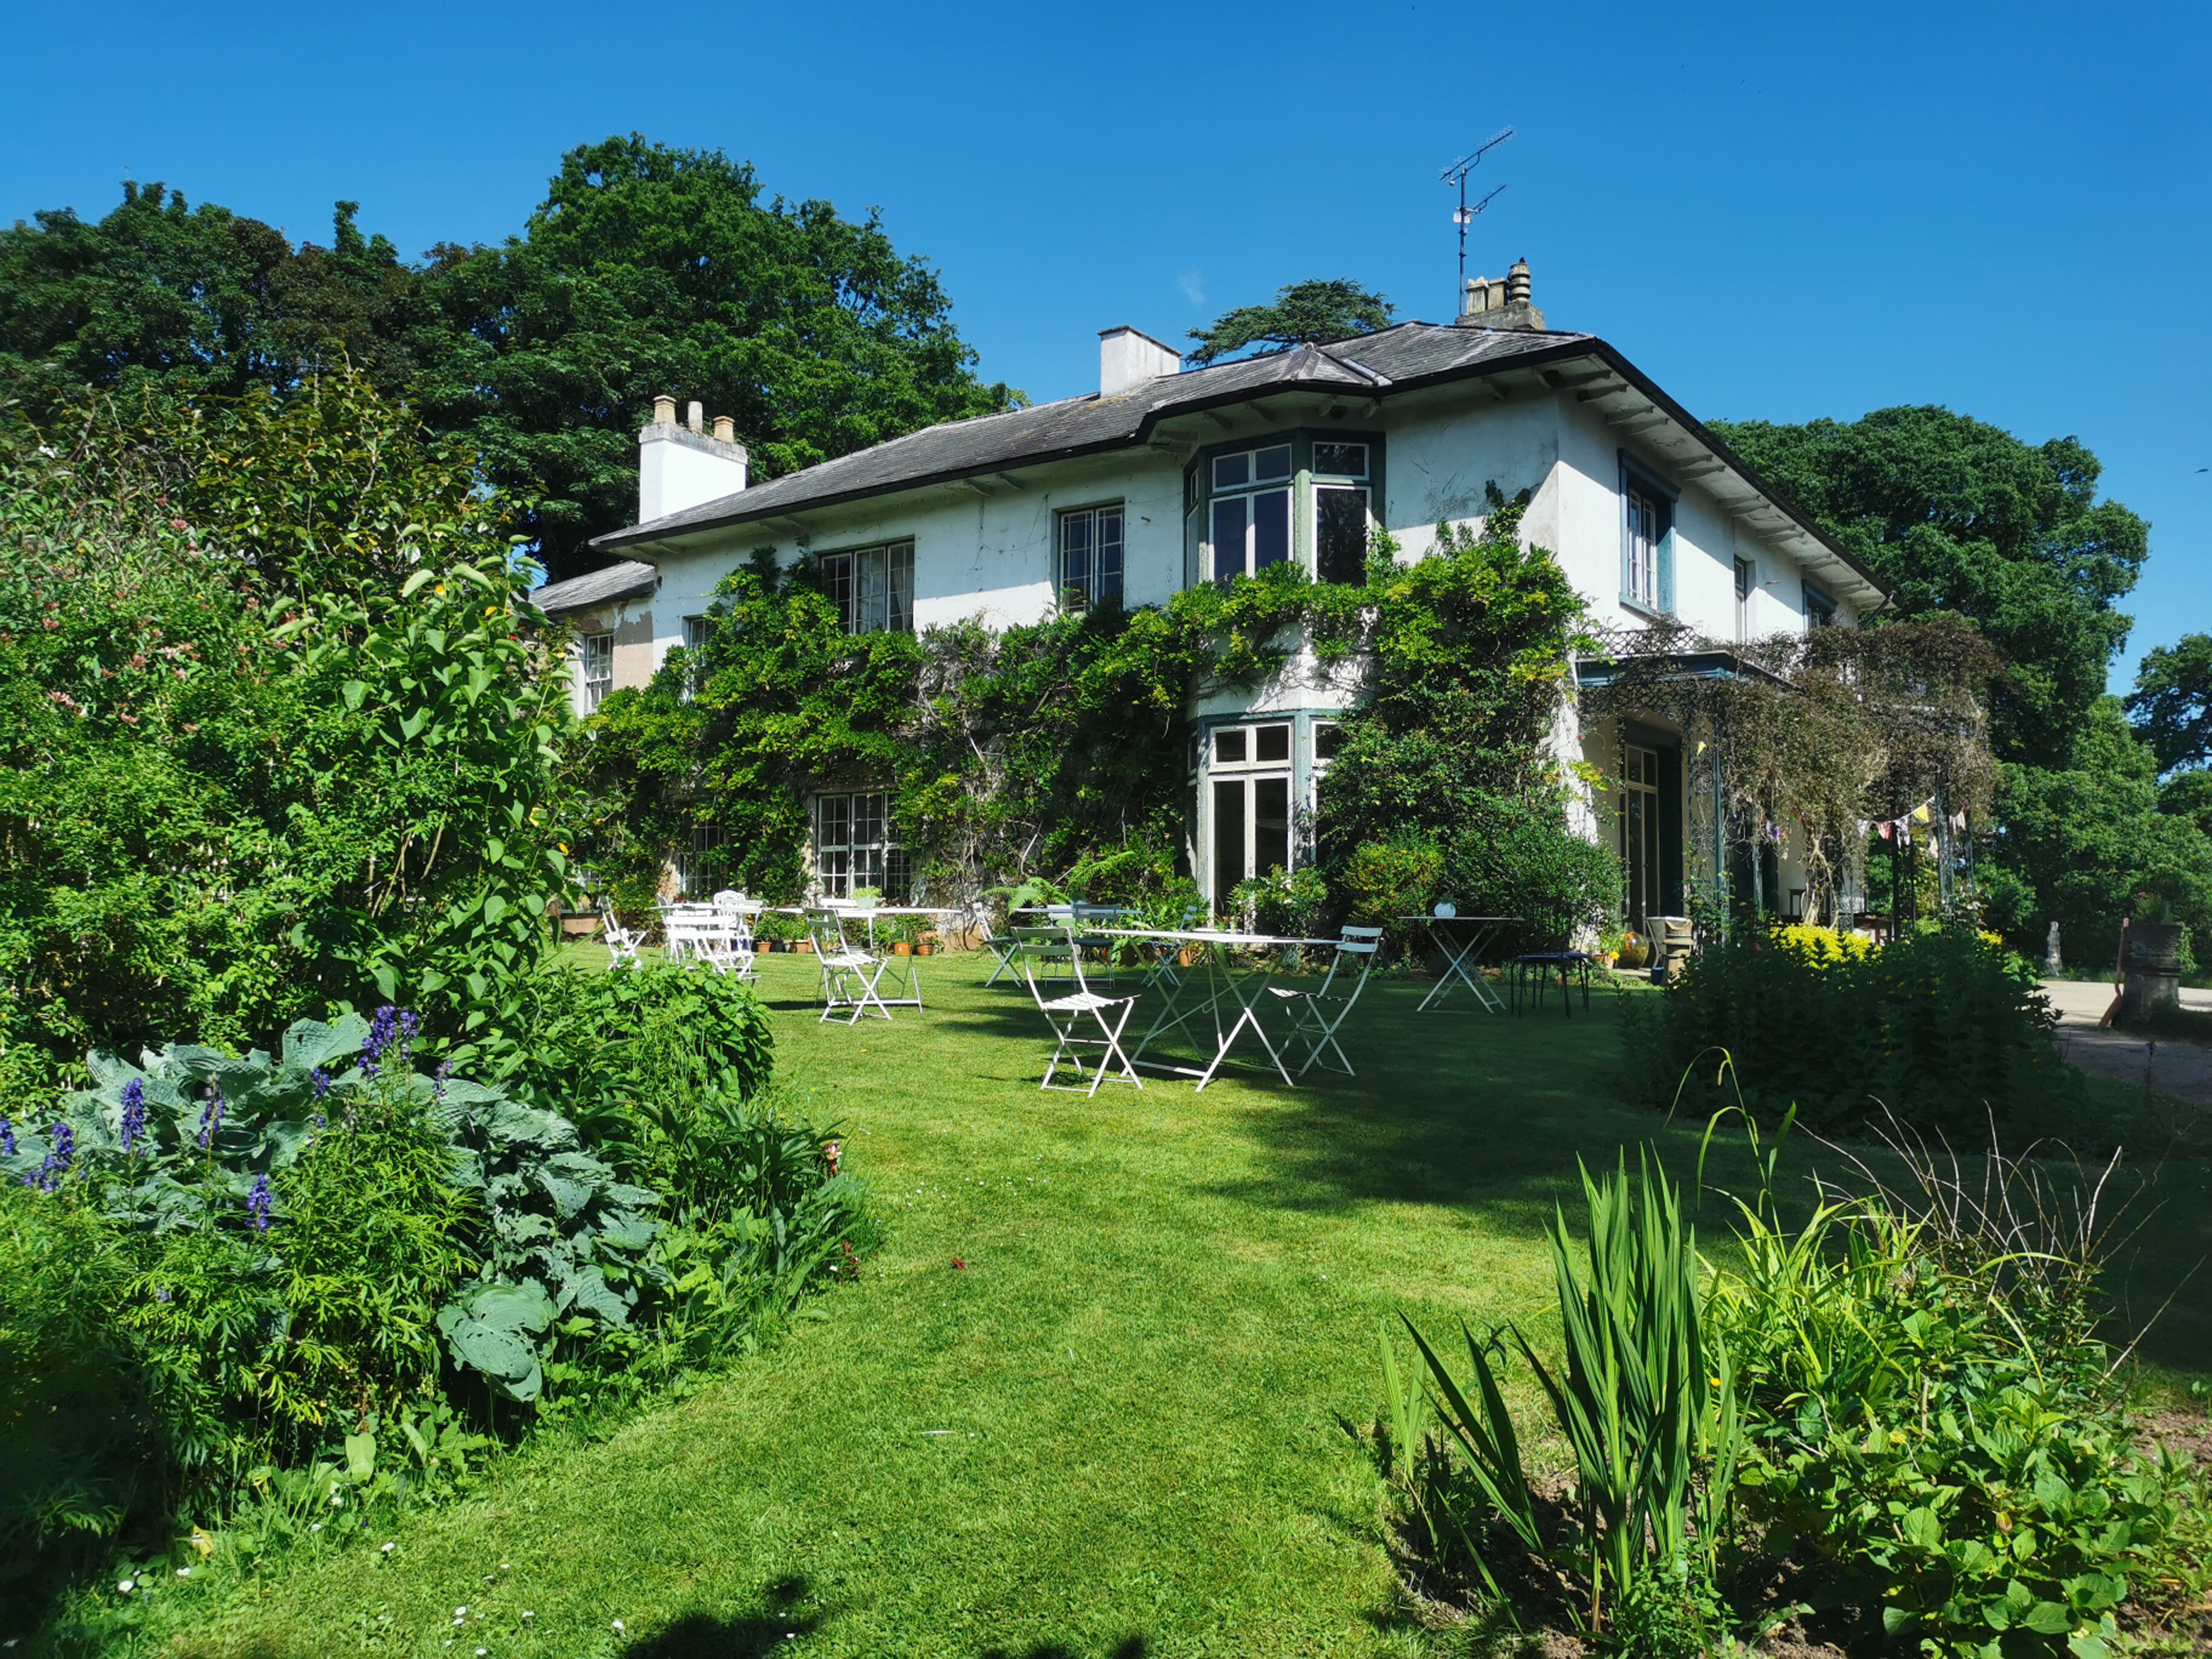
column 1456, row 174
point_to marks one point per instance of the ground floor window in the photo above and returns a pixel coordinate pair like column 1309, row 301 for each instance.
column 596, row 662
column 1639, row 832
column 1248, row 782
column 855, row 847
column 703, row 868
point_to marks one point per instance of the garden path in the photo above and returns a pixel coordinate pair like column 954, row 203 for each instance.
column 2175, row 1065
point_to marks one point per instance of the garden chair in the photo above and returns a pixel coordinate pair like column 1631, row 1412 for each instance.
column 622, row 944
column 848, row 975
column 1163, row 967
column 1051, row 949
column 1008, row 950
column 1316, row 1014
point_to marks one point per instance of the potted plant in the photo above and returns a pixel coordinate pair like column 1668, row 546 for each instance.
column 772, row 931
column 1633, row 951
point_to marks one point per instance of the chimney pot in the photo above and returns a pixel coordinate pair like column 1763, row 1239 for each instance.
column 695, row 416
column 663, row 411
column 1516, row 284
column 726, row 428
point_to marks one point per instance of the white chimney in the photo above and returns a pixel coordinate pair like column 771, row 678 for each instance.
column 1127, row 359
column 680, row 467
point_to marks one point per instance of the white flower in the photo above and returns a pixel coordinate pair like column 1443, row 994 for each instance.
column 336, row 1500
column 184, row 1572
column 504, row 1567
column 482, row 1650
column 316, row 1527
column 125, row 1587
column 460, row 1613
column 618, row 1624
column 527, row 1613
column 388, row 1548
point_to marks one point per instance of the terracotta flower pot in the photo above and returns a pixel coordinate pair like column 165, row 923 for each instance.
column 925, row 949
column 903, row 948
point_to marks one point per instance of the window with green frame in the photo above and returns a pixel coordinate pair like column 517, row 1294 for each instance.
column 1304, row 496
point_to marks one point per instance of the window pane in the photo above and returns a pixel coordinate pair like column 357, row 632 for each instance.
column 1339, row 534
column 1229, row 747
column 898, row 604
column 836, row 821
column 1075, row 552
column 1270, row 824
column 867, row 820
column 1272, row 463
column 1271, row 528
column 1272, row 743
column 837, row 579
column 1328, row 738
column 1340, row 460
column 899, row 876
column 1230, row 470
column 1108, row 583
column 868, row 607
column 1229, row 537
column 1228, row 840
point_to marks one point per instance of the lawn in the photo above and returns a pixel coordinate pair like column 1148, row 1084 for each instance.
column 1118, row 1429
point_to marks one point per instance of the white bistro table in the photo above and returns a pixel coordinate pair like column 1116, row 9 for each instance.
column 1462, row 938
column 1227, row 983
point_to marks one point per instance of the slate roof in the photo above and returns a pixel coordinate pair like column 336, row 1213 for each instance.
column 1380, row 365
column 628, row 581
column 1411, row 353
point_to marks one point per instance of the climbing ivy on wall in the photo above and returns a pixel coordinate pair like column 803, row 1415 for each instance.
column 1060, row 749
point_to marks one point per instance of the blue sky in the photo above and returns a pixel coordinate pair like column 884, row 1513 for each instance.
column 1777, row 211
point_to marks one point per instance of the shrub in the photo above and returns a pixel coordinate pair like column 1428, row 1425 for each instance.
column 1935, row 1443
column 1643, row 1400
column 658, row 1034
column 1894, row 1420
column 1941, row 1028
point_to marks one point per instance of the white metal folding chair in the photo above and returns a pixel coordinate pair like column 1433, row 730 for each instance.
column 1054, row 947
column 848, row 975
column 1008, row 949
column 622, row 944
column 729, row 947
column 1316, row 1014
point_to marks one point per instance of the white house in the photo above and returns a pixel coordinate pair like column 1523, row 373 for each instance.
column 1166, row 477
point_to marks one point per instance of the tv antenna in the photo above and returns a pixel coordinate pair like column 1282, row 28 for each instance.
column 1456, row 174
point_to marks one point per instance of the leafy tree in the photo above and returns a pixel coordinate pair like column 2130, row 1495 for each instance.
column 2172, row 707
column 651, row 269
column 1955, row 514
column 1302, row 314
column 202, row 299
column 2079, row 846
column 212, row 829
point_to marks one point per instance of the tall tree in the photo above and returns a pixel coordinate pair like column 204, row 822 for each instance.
column 2172, row 707
column 200, row 299
column 652, row 269
column 1303, row 313
column 1955, row 514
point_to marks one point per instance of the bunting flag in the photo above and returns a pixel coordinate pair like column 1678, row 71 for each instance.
column 1887, row 829
column 1923, row 812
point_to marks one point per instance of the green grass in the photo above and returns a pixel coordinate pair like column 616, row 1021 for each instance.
column 1118, row 1430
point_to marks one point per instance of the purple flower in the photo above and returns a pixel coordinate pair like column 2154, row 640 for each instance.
column 321, row 1079
column 134, row 1114
column 6, row 1137
column 47, row 1178
column 211, row 1119
column 257, row 1204
column 383, row 1032
column 439, row 1078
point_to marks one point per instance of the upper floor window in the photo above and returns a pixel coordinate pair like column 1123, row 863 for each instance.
column 1646, row 558
column 1747, row 584
column 873, row 587
column 1248, row 516
column 1091, row 554
column 1820, row 609
column 1340, row 511
column 595, row 654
